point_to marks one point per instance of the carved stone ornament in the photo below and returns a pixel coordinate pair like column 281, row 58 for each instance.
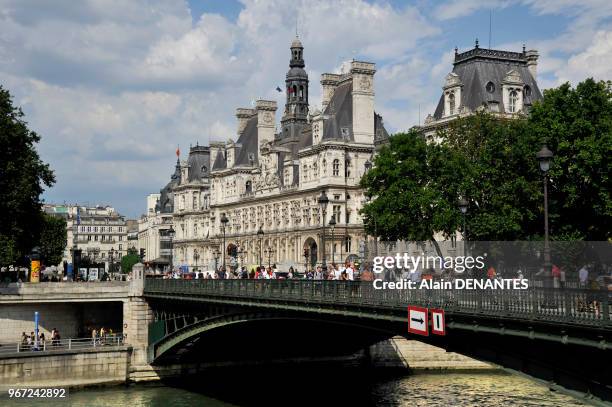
column 365, row 83
column 267, row 118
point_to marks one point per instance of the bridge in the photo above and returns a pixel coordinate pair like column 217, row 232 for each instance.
column 561, row 336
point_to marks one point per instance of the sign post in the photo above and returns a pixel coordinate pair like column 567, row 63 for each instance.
column 438, row 324
column 418, row 322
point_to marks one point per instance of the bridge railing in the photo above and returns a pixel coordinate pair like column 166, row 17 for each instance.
column 577, row 306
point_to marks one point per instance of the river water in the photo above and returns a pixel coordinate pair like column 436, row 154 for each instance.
column 326, row 388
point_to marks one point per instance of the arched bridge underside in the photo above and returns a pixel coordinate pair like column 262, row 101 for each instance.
column 552, row 335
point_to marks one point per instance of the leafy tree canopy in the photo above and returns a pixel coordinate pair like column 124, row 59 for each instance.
column 53, row 240
column 128, row 261
column 23, row 177
column 491, row 162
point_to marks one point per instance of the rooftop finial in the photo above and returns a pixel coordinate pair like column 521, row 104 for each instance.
column 523, row 48
column 476, row 46
column 456, row 50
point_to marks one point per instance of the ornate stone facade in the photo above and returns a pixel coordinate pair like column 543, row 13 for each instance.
column 270, row 181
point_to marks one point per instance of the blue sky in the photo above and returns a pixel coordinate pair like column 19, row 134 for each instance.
column 113, row 87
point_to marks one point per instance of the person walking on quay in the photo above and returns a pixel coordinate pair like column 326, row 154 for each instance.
column 318, row 274
column 102, row 335
column 290, row 273
column 24, row 340
column 94, row 336
column 583, row 276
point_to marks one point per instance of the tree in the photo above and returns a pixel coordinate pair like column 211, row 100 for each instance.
column 492, row 163
column 577, row 125
column 128, row 261
column 23, row 177
column 53, row 239
column 415, row 189
column 501, row 178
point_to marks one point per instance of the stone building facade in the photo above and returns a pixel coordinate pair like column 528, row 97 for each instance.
column 269, row 181
column 502, row 83
column 99, row 231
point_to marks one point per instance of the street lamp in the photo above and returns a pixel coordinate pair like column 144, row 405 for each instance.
column 112, row 262
column 368, row 165
column 323, row 201
column 216, row 253
column 545, row 156
column 332, row 225
column 269, row 251
column 463, row 207
column 260, row 234
column 196, row 256
column 224, row 221
column 171, row 234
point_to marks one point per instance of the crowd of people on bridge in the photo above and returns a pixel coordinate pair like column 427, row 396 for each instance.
column 339, row 272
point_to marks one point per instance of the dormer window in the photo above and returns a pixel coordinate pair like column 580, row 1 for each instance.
column 451, row 104
column 490, row 87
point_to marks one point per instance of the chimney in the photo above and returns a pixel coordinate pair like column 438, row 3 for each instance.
column 532, row 62
column 329, row 81
column 266, row 111
column 363, row 101
column 243, row 115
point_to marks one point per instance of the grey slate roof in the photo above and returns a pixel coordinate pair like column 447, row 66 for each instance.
column 249, row 143
column 477, row 69
column 220, row 162
column 340, row 112
column 199, row 163
column 166, row 198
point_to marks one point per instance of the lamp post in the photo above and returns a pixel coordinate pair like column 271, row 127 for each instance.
column 171, row 234
column 241, row 254
column 463, row 207
column 306, row 254
column 332, row 226
column 260, row 234
column 545, row 156
column 112, row 262
column 216, row 253
column 196, row 256
column 269, row 251
column 323, row 200
column 224, row 221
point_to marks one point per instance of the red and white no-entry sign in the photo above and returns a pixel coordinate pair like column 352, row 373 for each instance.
column 418, row 322
column 438, row 325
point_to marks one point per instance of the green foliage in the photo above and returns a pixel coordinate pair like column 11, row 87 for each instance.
column 53, row 238
column 22, row 178
column 577, row 125
column 492, row 163
column 128, row 261
column 412, row 181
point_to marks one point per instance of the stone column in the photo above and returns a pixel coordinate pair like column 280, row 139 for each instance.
column 137, row 315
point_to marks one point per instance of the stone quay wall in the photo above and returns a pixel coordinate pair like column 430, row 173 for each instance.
column 70, row 368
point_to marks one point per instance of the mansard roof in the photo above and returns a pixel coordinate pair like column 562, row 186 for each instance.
column 477, row 67
column 199, row 163
column 339, row 114
column 220, row 162
column 248, row 142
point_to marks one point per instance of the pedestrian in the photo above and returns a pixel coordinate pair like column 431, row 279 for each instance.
column 556, row 275
column 94, row 336
column 318, row 274
column 491, row 273
column 583, row 276
column 24, row 339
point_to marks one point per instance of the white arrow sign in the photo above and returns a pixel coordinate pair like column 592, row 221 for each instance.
column 418, row 320
column 438, row 325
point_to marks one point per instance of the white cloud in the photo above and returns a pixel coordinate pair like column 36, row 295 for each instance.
column 595, row 61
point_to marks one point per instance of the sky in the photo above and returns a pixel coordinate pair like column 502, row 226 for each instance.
column 113, row 87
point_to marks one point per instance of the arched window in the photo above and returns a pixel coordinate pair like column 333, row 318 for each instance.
column 347, row 169
column 451, row 104
column 336, row 167
column 294, row 91
column 315, row 170
column 301, row 94
column 512, row 101
column 324, row 167
column 248, row 187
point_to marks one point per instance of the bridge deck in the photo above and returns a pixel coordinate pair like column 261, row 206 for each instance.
column 574, row 307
